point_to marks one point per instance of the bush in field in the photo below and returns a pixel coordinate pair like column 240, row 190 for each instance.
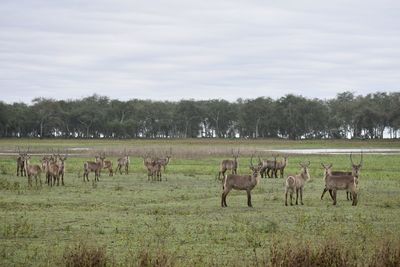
column 301, row 254
column 83, row 255
column 388, row 254
column 159, row 259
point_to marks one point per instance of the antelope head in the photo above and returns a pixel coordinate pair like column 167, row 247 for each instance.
column 304, row 167
column 356, row 167
column 327, row 169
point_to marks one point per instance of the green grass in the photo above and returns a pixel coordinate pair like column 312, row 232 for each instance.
column 181, row 218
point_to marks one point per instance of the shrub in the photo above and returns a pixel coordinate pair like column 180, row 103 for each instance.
column 83, row 255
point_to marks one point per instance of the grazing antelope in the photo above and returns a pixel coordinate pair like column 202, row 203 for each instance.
column 355, row 173
column 296, row 183
column 241, row 182
column 229, row 164
column 95, row 167
column 32, row 170
column 340, row 182
column 267, row 166
column 123, row 162
column 21, row 163
column 280, row 166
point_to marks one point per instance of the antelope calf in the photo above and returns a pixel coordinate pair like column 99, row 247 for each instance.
column 228, row 164
column 296, row 183
column 32, row 170
column 95, row 167
column 240, row 182
column 333, row 183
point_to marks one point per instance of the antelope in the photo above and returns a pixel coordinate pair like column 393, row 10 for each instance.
column 340, row 182
column 21, row 163
column 267, row 166
column 229, row 164
column 153, row 168
column 32, row 170
column 241, row 182
column 355, row 173
column 61, row 166
column 280, row 166
column 52, row 172
column 297, row 182
column 123, row 162
column 164, row 162
column 107, row 164
column 95, row 167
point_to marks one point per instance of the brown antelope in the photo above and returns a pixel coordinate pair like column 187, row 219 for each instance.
column 355, row 173
column 61, row 166
column 229, row 164
column 296, row 183
column 95, row 167
column 107, row 164
column 164, row 162
column 280, row 166
column 240, row 182
column 267, row 166
column 52, row 172
column 340, row 182
column 32, row 170
column 153, row 168
column 21, row 163
column 123, row 162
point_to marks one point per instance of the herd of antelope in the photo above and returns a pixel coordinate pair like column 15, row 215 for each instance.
column 53, row 165
column 334, row 180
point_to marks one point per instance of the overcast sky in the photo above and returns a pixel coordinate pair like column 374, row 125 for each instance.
column 180, row 49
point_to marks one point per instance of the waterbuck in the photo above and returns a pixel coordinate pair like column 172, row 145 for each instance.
column 123, row 162
column 153, row 168
column 280, row 166
column 52, row 172
column 340, row 182
column 32, row 170
column 61, row 166
column 296, row 183
column 267, row 166
column 107, row 164
column 229, row 164
column 356, row 168
column 21, row 163
column 241, row 182
column 91, row 166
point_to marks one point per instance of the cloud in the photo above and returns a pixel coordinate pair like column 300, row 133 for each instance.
column 171, row 50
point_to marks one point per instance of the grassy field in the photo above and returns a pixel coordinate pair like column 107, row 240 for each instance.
column 131, row 221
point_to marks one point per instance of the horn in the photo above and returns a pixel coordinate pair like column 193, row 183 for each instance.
column 251, row 161
column 351, row 158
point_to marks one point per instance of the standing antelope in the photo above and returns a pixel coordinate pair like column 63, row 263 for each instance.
column 280, row 166
column 32, row 170
column 153, row 168
column 241, row 182
column 52, row 172
column 267, row 166
column 107, row 164
column 297, row 182
column 229, row 164
column 123, row 162
column 355, row 173
column 95, row 167
column 340, row 182
column 61, row 166
column 21, row 163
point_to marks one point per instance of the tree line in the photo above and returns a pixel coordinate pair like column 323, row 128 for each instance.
column 291, row 117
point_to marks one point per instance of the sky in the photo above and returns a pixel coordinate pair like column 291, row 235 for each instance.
column 186, row 49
